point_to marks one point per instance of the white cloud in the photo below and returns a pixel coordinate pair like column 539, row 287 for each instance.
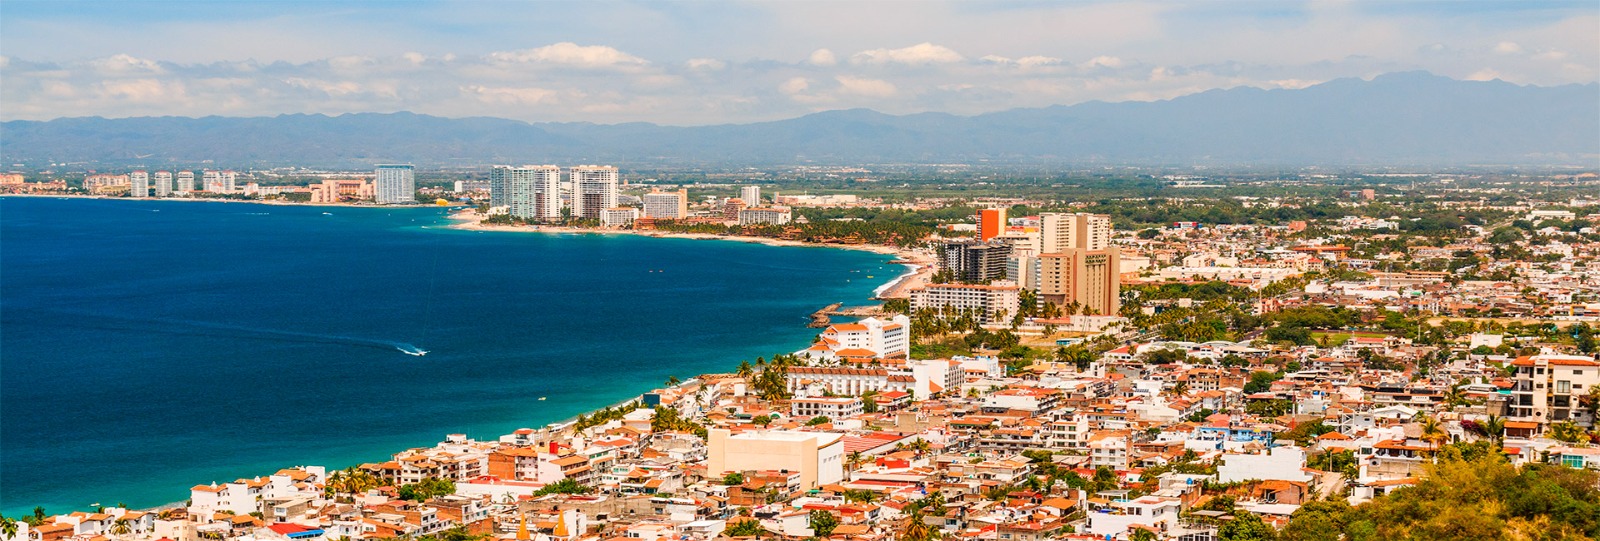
column 1103, row 61
column 331, row 88
column 1507, row 47
column 142, row 90
column 919, row 54
column 1034, row 61
column 795, row 85
column 506, row 95
column 710, row 64
column 571, row 54
column 822, row 57
column 122, row 63
column 1485, row 74
column 865, row 87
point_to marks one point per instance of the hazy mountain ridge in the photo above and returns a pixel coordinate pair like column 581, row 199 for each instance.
column 1402, row 118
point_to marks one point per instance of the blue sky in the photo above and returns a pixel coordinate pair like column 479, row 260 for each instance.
column 711, row 62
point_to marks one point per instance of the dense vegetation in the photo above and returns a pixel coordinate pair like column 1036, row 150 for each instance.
column 1471, row 493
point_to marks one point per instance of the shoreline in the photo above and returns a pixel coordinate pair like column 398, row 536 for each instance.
column 275, row 203
column 467, row 220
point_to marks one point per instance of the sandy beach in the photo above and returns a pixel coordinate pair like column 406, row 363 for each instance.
column 900, row 287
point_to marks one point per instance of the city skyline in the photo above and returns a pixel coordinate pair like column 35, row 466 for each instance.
column 686, row 64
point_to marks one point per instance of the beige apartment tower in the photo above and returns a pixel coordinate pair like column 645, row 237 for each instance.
column 1090, row 278
column 1060, row 231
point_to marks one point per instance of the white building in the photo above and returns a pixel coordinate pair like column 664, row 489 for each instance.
column 185, row 181
column 1059, row 231
column 834, row 408
column 988, row 301
column 667, row 205
column 618, row 216
column 846, row 381
column 139, row 184
column 1148, row 511
column 394, row 185
column 212, row 180
column 817, row 456
column 531, row 192
column 1280, row 464
column 870, row 337
column 765, row 215
column 594, row 190
column 751, row 195
column 163, row 183
column 1547, row 388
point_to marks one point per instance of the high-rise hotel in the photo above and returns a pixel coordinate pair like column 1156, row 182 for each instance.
column 395, row 184
column 1077, row 263
column 594, row 190
column 532, row 192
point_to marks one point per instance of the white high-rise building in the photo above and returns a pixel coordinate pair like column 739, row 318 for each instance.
column 594, row 190
column 394, row 184
column 1060, row 231
column 163, row 183
column 185, row 181
column 139, row 184
column 751, row 195
column 667, row 205
column 230, row 181
column 532, row 192
column 212, row 180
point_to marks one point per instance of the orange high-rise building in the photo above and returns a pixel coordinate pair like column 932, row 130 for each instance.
column 991, row 223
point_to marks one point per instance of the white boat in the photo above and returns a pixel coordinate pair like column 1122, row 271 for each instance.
column 541, row 399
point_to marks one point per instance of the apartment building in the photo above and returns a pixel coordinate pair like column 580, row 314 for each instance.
column 846, row 381
column 993, row 302
column 594, row 190
column 975, row 262
column 765, row 216
column 1091, row 279
column 139, row 184
column 395, row 184
column 1546, row 388
column 817, row 456
column 667, row 205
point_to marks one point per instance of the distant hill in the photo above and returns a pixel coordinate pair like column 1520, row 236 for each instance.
column 1409, row 118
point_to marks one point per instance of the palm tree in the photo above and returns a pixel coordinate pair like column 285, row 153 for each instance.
column 672, row 380
column 745, row 369
column 917, row 529
column 8, row 527
column 121, row 527
column 1495, row 426
column 1432, row 432
column 1566, row 431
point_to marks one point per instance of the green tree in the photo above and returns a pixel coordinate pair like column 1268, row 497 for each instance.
column 1246, row 526
column 8, row 527
column 564, row 486
column 733, row 478
column 818, row 420
column 822, row 522
column 745, row 528
column 1139, row 533
column 121, row 527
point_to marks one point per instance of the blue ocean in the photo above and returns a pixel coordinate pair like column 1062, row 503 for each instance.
column 149, row 346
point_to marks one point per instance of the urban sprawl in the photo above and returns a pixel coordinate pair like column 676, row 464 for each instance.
column 1310, row 356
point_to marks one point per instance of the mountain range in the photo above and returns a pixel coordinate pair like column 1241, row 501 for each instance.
column 1409, row 118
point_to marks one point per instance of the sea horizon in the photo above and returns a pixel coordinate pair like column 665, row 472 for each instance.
column 241, row 296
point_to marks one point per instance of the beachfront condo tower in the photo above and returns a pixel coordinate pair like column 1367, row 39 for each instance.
column 532, row 192
column 185, row 181
column 751, row 195
column 139, row 184
column 594, row 190
column 395, row 184
column 163, row 183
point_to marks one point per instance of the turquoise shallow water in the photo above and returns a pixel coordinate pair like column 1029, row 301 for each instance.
column 149, row 346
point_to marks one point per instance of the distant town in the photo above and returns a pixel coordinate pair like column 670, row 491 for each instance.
column 1177, row 356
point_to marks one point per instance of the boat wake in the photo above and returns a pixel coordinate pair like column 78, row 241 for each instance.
column 222, row 330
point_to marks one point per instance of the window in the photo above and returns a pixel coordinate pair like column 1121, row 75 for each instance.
column 1563, row 386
